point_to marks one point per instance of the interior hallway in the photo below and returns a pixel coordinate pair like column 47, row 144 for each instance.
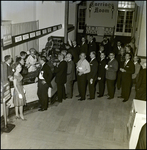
column 73, row 124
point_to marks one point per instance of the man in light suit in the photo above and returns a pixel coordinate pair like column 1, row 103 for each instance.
column 111, row 72
column 92, row 75
column 61, row 77
column 44, row 82
column 70, row 76
column 127, row 71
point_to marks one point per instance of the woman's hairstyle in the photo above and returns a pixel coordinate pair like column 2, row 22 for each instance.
column 15, row 65
column 23, row 53
column 7, row 57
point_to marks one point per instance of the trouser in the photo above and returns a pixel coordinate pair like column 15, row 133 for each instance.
column 61, row 92
column 119, row 80
column 126, row 88
column 111, row 87
column 43, row 94
column 82, row 81
column 69, row 89
column 101, row 84
column 92, row 89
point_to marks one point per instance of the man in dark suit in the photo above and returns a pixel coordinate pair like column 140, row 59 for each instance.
column 92, row 45
column 84, row 47
column 92, row 75
column 101, row 50
column 61, row 77
column 75, row 52
column 8, row 60
column 44, row 82
column 102, row 74
column 127, row 71
column 121, row 59
column 117, row 48
column 70, row 76
column 141, row 84
column 111, row 72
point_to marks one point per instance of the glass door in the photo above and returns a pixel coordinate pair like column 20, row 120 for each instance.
column 124, row 25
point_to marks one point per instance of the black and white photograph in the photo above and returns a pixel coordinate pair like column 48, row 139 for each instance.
column 73, row 74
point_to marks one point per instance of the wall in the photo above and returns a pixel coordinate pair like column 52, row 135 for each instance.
column 72, row 19
column 50, row 13
column 18, row 11
column 142, row 35
column 101, row 14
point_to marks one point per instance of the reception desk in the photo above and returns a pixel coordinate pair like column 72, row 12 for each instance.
column 31, row 90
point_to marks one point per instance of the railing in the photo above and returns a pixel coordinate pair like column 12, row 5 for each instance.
column 100, row 30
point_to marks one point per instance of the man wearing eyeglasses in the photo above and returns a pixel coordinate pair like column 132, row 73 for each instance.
column 111, row 72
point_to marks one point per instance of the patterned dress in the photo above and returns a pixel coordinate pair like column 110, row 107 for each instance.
column 16, row 100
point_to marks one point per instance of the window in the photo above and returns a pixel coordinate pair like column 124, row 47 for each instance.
column 126, row 4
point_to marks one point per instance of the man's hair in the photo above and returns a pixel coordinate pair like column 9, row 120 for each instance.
column 22, row 53
column 94, row 53
column 43, row 58
column 7, row 57
column 18, row 59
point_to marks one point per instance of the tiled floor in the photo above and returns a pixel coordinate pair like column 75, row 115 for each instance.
column 73, row 124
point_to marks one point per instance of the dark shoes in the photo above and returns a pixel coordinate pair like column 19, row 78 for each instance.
column 124, row 100
column 41, row 109
column 119, row 97
column 100, row 96
column 110, row 98
column 78, row 96
column 90, row 98
column 80, row 99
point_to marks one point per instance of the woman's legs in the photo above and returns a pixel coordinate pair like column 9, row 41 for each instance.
column 21, row 112
column 16, row 111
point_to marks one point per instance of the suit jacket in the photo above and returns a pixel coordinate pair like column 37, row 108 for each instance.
column 61, row 73
column 101, row 69
column 116, row 50
column 47, row 74
column 84, row 48
column 112, row 69
column 92, row 47
column 70, row 71
column 9, row 71
column 130, row 69
column 137, row 69
column 75, row 53
column 93, row 70
column 141, row 83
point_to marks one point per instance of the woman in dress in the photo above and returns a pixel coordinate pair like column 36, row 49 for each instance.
column 31, row 61
column 19, row 98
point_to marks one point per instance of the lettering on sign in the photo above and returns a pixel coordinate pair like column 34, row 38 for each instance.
column 38, row 33
column 54, row 28
column 18, row 38
column 49, row 29
column 26, row 36
column 32, row 34
column 44, row 31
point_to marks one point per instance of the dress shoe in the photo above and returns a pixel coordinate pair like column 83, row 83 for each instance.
column 90, row 98
column 41, row 109
column 100, row 96
column 124, row 100
column 80, row 99
column 119, row 97
column 110, row 98
column 78, row 96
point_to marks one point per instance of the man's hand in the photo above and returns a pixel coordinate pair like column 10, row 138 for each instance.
column 99, row 78
column 91, row 81
column 80, row 73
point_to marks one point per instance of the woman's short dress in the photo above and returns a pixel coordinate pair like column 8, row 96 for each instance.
column 16, row 100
